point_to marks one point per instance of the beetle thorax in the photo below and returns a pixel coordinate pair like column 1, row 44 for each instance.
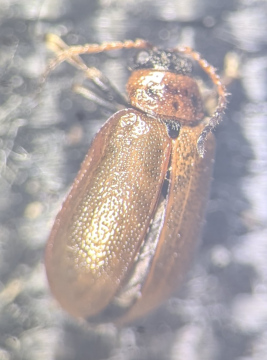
column 165, row 94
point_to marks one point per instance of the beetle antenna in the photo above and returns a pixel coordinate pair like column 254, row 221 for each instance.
column 71, row 53
column 222, row 95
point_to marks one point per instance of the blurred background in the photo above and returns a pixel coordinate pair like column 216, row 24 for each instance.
column 45, row 131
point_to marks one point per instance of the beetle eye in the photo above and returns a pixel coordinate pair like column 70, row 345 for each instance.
column 142, row 58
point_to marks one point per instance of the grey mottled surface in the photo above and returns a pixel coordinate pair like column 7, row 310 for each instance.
column 221, row 312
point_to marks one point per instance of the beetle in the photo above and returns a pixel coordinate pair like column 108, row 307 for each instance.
column 124, row 237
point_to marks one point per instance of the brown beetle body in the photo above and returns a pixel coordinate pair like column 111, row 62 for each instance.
column 126, row 232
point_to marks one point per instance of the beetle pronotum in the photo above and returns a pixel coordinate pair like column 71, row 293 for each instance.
column 123, row 239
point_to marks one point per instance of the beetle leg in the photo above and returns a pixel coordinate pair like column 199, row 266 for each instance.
column 90, row 95
column 56, row 44
column 222, row 99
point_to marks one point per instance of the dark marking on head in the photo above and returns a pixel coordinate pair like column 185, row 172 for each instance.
column 175, row 104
